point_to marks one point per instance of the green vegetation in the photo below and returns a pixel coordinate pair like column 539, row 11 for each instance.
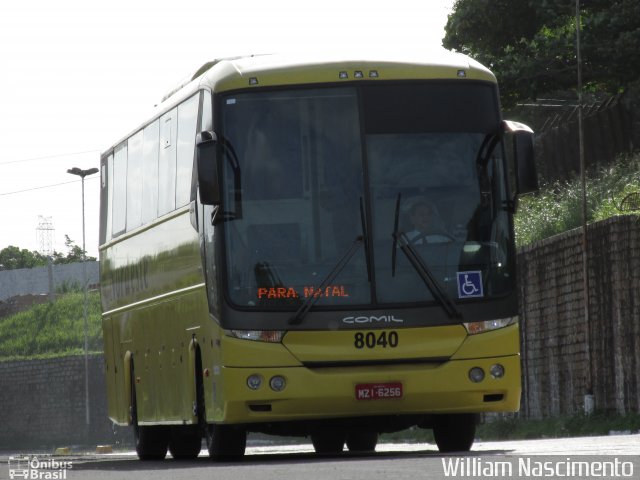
column 558, row 207
column 578, row 425
column 13, row 257
column 530, row 44
column 50, row 330
column 518, row 429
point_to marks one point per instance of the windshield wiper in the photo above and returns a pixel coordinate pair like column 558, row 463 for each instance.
column 297, row 317
column 365, row 235
column 427, row 277
column 416, row 261
column 394, row 245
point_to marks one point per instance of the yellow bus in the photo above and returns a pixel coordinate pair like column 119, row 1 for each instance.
column 313, row 246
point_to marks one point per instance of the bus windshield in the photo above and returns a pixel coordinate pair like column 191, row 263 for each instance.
column 326, row 174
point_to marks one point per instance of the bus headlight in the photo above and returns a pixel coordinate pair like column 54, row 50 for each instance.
column 277, row 383
column 254, row 381
column 269, row 336
column 476, row 374
column 497, row 371
column 474, row 328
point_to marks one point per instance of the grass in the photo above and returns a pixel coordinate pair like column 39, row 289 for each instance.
column 578, row 425
column 52, row 329
column 600, row 423
column 557, row 207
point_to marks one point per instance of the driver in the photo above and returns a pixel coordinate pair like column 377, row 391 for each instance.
column 427, row 225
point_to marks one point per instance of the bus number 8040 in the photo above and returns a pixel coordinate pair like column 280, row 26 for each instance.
column 371, row 340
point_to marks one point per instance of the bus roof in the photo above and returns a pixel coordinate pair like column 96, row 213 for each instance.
column 297, row 69
column 270, row 70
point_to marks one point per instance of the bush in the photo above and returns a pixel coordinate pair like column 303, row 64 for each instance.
column 557, row 207
column 52, row 329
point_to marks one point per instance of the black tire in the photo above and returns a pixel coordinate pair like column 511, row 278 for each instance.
column 185, row 442
column 226, row 442
column 362, row 441
column 151, row 442
column 328, row 442
column 455, row 432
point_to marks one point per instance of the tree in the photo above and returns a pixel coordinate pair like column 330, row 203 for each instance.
column 530, row 44
column 12, row 258
column 74, row 253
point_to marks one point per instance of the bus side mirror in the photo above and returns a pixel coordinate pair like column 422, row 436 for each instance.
column 207, row 164
column 524, row 165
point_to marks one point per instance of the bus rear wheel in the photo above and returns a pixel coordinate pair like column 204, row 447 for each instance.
column 151, row 441
column 362, row 441
column 226, row 442
column 328, row 442
column 185, row 442
column 455, row 432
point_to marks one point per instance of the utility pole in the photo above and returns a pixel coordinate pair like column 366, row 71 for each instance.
column 83, row 173
column 588, row 397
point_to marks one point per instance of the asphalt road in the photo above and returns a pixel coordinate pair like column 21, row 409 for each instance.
column 389, row 462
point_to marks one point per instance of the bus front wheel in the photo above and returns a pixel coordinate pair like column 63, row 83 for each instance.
column 328, row 442
column 455, row 432
column 362, row 441
column 226, row 442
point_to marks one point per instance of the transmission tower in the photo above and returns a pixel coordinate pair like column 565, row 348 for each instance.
column 44, row 235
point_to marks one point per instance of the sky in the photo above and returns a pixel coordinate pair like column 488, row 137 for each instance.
column 78, row 75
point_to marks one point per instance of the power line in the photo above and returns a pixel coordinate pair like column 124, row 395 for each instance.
column 72, row 154
column 43, row 186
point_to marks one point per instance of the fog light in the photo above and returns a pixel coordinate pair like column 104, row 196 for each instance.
column 497, row 371
column 277, row 383
column 254, row 381
column 476, row 374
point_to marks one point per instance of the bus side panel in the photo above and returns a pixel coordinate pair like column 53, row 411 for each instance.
column 111, row 372
column 152, row 287
column 156, row 333
column 161, row 335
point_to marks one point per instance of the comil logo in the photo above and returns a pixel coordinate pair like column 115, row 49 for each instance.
column 36, row 468
column 372, row 319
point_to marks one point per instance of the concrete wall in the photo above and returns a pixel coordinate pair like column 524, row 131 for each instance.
column 43, row 404
column 564, row 357
column 36, row 280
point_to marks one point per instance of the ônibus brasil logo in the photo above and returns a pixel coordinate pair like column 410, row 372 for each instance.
column 38, row 467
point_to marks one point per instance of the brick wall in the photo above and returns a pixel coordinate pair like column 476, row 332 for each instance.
column 563, row 356
column 42, row 404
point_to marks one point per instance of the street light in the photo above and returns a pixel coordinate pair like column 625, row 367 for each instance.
column 84, row 173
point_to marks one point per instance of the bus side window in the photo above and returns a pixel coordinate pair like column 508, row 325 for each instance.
column 150, row 153
column 106, row 198
column 167, row 163
column 119, row 215
column 187, row 121
column 134, row 182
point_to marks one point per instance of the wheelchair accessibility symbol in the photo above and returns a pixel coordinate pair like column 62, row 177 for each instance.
column 470, row 284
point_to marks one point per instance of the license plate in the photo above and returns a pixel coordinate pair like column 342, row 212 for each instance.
column 378, row 391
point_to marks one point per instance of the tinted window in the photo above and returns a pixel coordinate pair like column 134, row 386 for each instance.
column 134, row 182
column 150, row 152
column 167, row 165
column 187, row 120
column 120, row 189
column 293, row 180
